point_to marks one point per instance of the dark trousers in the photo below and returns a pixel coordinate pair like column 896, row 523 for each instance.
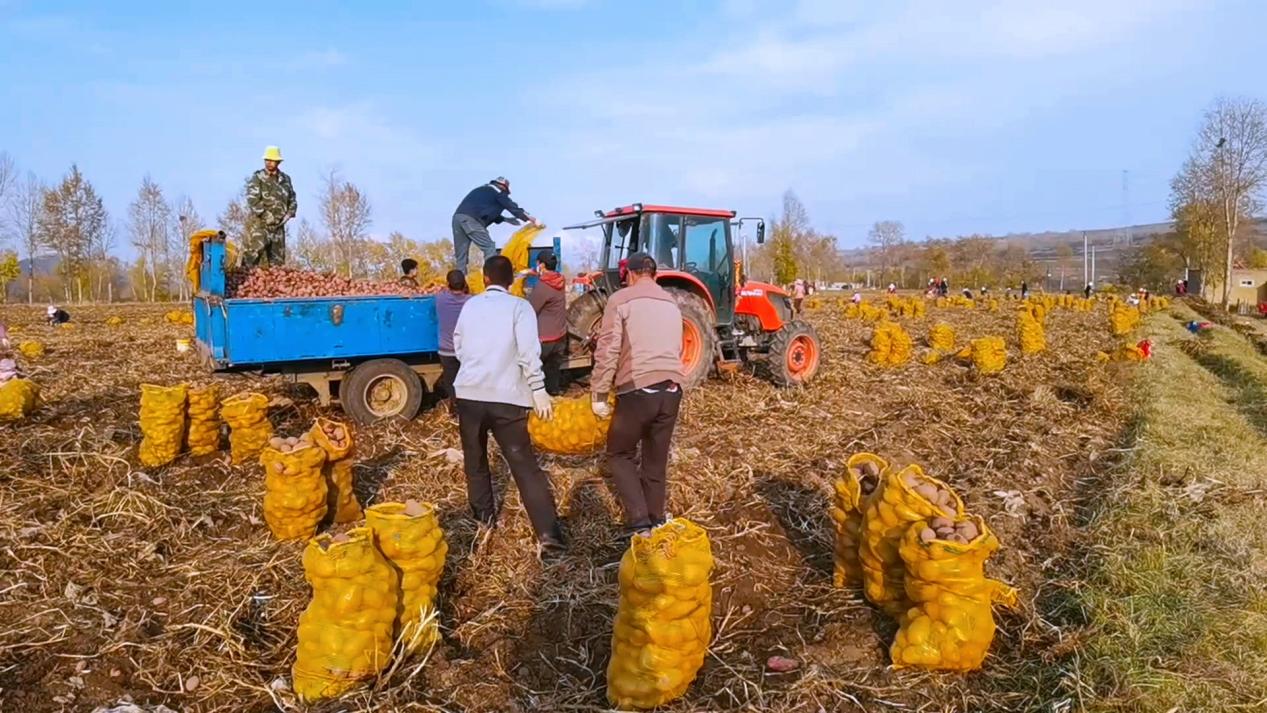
column 645, row 419
column 552, row 356
column 509, row 425
column 448, row 372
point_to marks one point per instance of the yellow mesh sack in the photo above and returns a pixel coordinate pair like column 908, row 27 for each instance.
column 890, row 345
column 988, row 354
column 345, row 633
column 409, row 536
column 1030, row 332
column 662, row 625
column 903, row 497
column 941, row 337
column 335, row 438
column 862, row 475
column 114, row 321
column 992, row 304
column 1122, row 318
column 179, row 316
column 950, row 623
column 249, row 427
column 203, row 437
column 18, row 398
column 475, row 282
column 572, row 430
column 162, row 423
column 294, row 491
column 31, row 349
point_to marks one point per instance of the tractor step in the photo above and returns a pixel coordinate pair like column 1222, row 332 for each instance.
column 728, row 366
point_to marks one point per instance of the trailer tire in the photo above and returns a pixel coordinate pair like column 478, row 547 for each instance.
column 381, row 389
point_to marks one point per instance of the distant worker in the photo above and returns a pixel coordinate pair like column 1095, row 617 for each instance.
column 1086, row 291
column 56, row 315
column 638, row 357
column 481, row 208
column 1024, row 289
column 551, row 305
column 857, row 297
column 8, row 369
column 798, row 295
column 270, row 201
column 498, row 381
column 4, row 338
column 449, row 302
column 967, row 293
column 892, row 289
column 409, row 273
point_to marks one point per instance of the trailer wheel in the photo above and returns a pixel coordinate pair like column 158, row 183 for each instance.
column 381, row 389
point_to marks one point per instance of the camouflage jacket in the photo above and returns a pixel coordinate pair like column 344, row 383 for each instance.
column 271, row 200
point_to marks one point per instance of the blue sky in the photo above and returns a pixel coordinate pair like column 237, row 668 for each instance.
column 953, row 117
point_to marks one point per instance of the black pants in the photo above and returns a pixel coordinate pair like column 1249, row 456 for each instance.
column 645, row 419
column 552, row 356
column 448, row 372
column 509, row 425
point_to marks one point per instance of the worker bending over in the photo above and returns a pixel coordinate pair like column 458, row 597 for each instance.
column 481, row 208
column 551, row 305
column 639, row 357
column 270, row 199
column 498, row 380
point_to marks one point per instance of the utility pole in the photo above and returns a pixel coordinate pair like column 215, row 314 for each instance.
column 1085, row 279
column 1092, row 264
column 1126, row 205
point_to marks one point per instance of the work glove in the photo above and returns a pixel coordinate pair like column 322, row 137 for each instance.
column 537, row 222
column 542, row 405
column 602, row 409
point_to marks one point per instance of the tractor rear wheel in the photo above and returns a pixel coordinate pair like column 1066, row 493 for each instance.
column 795, row 355
column 699, row 337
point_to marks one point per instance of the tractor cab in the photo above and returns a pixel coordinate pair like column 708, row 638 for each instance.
column 724, row 323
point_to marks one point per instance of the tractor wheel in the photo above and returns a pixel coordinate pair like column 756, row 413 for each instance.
column 699, row 337
column 795, row 355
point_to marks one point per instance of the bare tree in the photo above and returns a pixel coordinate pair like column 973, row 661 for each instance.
column 346, row 213
column 312, row 252
column 74, row 224
column 232, row 220
column 150, row 229
column 8, row 179
column 1232, row 148
column 22, row 215
column 887, row 236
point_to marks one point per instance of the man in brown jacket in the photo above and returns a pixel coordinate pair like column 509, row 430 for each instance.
column 639, row 356
column 551, row 305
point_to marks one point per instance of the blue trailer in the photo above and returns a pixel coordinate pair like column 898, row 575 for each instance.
column 378, row 355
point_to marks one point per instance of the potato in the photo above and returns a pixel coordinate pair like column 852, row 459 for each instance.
column 968, row 530
column 940, row 522
column 927, row 535
column 413, row 508
column 928, row 491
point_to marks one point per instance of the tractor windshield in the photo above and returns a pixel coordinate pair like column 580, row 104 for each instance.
column 659, row 238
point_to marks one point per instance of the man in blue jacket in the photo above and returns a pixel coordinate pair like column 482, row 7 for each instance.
column 479, row 209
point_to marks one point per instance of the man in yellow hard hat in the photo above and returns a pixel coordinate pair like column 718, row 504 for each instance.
column 270, row 199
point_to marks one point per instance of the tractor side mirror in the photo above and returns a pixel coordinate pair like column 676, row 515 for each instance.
column 760, row 232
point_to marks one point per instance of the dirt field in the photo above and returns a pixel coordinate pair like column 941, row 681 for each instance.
column 165, row 586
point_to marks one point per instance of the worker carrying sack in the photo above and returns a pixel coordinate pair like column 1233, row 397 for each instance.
column 345, row 634
column 902, row 498
column 950, row 622
column 662, row 625
column 162, row 423
column 249, row 428
column 335, row 439
column 862, row 476
column 409, row 536
column 203, row 437
column 294, row 489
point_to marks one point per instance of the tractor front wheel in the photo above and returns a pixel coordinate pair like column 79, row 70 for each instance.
column 795, row 355
column 699, row 337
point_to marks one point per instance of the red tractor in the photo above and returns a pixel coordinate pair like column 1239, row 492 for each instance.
column 725, row 324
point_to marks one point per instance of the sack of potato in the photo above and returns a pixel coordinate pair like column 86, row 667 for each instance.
column 988, row 355
column 162, row 423
column 902, row 498
column 31, row 349
column 345, row 633
column 1122, row 318
column 572, row 430
column 890, row 345
column 179, row 316
column 950, row 622
column 249, row 427
column 941, row 338
column 1030, row 332
column 203, row 437
column 335, row 439
column 662, row 625
column 114, row 321
column 409, row 536
column 294, row 487
column 862, row 475
column 18, row 398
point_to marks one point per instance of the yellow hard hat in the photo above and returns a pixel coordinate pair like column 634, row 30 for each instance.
column 272, row 153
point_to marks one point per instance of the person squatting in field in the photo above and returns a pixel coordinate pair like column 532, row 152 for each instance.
column 638, row 356
column 499, row 379
column 270, row 200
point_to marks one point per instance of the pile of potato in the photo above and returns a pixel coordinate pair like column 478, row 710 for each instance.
column 890, row 345
column 944, row 528
column 941, row 497
column 274, row 282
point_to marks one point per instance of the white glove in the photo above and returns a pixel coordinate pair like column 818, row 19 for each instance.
column 542, row 405
column 602, row 409
column 537, row 222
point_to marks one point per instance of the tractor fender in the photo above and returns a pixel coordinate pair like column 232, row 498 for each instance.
column 758, row 300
